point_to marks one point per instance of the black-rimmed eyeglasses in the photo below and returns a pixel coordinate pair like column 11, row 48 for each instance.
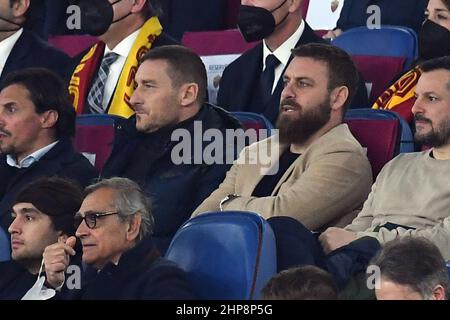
column 90, row 218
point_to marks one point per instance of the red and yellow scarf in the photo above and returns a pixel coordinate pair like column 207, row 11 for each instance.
column 84, row 73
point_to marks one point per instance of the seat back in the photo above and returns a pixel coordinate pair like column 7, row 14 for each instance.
column 226, row 255
column 254, row 121
column 94, row 137
column 448, row 268
column 4, row 246
column 380, row 54
column 382, row 132
column 72, row 44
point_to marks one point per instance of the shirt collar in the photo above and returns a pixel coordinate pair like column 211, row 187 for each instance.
column 6, row 47
column 30, row 159
column 283, row 52
column 123, row 48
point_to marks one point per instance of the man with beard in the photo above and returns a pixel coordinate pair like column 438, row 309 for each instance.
column 411, row 196
column 320, row 175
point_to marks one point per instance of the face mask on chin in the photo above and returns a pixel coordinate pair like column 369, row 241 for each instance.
column 434, row 41
column 97, row 16
column 256, row 23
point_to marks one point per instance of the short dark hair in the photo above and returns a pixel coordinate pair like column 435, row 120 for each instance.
column 59, row 198
column 47, row 91
column 301, row 283
column 184, row 66
column 413, row 262
column 437, row 64
column 342, row 70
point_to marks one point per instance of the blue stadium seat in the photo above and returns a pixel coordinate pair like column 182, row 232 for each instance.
column 227, row 255
column 380, row 54
column 4, row 246
column 448, row 268
column 384, row 133
column 255, row 121
column 94, row 137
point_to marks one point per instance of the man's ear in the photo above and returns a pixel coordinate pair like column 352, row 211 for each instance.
column 49, row 118
column 338, row 97
column 20, row 8
column 188, row 94
column 134, row 225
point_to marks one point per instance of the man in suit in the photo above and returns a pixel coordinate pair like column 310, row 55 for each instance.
column 253, row 82
column 323, row 174
column 103, row 80
column 20, row 48
column 36, row 125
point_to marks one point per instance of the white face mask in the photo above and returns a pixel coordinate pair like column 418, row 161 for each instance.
column 38, row 291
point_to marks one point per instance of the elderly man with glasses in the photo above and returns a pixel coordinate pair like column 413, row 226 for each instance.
column 114, row 225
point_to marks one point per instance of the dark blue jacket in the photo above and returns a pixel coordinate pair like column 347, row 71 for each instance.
column 31, row 51
column 140, row 275
column 61, row 160
column 408, row 13
column 175, row 190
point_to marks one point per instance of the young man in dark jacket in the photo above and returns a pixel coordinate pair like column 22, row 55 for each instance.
column 114, row 227
column 165, row 148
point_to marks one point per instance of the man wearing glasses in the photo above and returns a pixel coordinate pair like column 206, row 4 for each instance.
column 113, row 225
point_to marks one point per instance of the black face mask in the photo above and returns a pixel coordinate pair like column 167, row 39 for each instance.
column 256, row 23
column 97, row 16
column 12, row 22
column 434, row 41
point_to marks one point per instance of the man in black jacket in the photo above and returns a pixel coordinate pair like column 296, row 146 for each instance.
column 36, row 124
column 21, row 48
column 169, row 104
column 43, row 214
column 253, row 82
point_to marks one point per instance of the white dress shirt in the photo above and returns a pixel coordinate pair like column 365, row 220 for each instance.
column 6, row 47
column 283, row 52
column 122, row 49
